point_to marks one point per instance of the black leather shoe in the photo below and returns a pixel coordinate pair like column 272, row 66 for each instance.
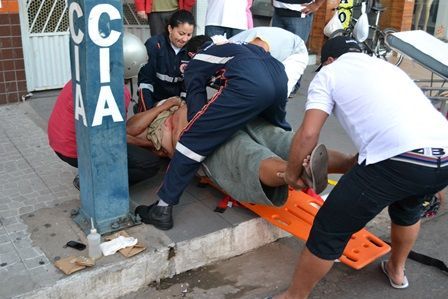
column 160, row 217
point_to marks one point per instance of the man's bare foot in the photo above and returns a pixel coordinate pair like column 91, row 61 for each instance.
column 306, row 165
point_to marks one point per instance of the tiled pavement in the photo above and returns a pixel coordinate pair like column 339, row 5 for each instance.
column 30, row 179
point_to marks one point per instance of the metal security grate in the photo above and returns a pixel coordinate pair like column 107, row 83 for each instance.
column 130, row 16
column 47, row 16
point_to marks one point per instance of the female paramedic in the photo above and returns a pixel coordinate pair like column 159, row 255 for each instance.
column 161, row 77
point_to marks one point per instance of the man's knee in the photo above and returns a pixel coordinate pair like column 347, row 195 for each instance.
column 347, row 210
column 406, row 212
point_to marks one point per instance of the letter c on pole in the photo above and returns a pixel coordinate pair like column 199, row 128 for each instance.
column 94, row 32
column 76, row 36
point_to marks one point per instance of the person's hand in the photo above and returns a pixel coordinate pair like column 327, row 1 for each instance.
column 292, row 180
column 219, row 39
column 182, row 68
column 170, row 102
column 142, row 15
column 310, row 8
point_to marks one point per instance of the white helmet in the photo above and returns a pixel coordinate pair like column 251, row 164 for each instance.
column 134, row 55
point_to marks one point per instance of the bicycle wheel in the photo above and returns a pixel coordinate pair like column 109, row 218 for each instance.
column 386, row 52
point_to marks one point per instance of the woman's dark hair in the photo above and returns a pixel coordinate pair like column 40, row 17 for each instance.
column 195, row 43
column 180, row 17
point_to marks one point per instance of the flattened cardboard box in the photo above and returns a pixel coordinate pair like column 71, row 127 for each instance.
column 68, row 265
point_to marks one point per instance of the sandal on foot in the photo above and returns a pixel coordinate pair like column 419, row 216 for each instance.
column 319, row 169
column 403, row 285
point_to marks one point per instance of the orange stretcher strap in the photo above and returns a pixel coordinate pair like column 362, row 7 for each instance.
column 225, row 203
column 296, row 216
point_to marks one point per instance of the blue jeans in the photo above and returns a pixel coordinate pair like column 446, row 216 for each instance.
column 297, row 25
column 212, row 30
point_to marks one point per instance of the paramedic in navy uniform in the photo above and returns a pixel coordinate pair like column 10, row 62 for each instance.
column 252, row 83
column 161, row 78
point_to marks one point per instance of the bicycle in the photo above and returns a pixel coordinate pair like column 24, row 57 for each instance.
column 375, row 44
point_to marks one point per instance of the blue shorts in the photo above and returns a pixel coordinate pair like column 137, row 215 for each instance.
column 363, row 193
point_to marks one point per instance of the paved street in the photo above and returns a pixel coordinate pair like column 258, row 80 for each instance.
column 268, row 270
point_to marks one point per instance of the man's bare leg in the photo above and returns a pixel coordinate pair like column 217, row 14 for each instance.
column 403, row 239
column 441, row 196
column 339, row 162
column 309, row 271
column 269, row 168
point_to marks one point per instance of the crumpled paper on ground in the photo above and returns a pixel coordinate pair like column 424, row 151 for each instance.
column 127, row 251
column 112, row 246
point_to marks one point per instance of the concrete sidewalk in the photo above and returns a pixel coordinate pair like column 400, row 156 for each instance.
column 37, row 197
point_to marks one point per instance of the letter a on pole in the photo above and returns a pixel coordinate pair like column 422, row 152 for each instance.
column 96, row 54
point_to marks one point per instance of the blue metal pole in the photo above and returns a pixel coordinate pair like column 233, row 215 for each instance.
column 97, row 72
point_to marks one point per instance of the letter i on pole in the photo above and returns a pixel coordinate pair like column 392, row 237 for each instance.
column 96, row 54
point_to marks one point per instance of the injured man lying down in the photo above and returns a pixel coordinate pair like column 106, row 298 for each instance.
column 249, row 166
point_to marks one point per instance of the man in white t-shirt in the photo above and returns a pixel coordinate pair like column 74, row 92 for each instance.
column 284, row 46
column 227, row 17
column 403, row 155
